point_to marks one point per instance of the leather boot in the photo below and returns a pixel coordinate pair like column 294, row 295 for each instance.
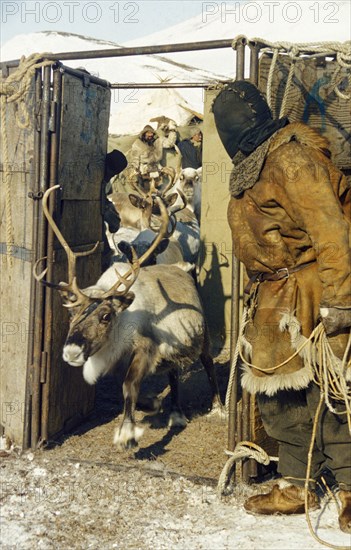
column 345, row 512
column 286, row 500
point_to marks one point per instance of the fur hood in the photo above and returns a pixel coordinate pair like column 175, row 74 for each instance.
column 303, row 134
column 247, row 169
column 148, row 128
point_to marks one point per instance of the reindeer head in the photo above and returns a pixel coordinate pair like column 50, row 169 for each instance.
column 94, row 310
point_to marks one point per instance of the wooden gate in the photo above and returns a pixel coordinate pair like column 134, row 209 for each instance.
column 64, row 143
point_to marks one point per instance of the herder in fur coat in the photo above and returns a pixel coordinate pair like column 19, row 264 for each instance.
column 289, row 214
column 147, row 152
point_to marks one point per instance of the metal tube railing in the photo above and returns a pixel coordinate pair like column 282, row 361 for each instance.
column 136, row 50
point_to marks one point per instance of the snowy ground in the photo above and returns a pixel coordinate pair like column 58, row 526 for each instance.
column 57, row 500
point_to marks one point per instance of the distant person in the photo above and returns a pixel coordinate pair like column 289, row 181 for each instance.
column 191, row 149
column 147, row 152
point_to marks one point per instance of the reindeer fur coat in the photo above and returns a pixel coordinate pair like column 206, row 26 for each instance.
column 295, row 210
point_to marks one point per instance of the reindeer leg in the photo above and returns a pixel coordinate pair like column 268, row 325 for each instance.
column 177, row 417
column 128, row 434
column 207, row 361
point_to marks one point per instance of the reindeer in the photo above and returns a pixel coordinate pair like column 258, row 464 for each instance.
column 160, row 326
column 189, row 182
column 139, row 215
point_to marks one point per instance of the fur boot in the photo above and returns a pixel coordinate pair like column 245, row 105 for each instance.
column 345, row 511
column 282, row 500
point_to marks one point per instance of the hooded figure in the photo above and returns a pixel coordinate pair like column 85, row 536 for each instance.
column 289, row 214
column 146, row 151
column 191, row 149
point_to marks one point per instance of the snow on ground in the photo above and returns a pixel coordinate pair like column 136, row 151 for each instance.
column 50, row 503
column 55, row 501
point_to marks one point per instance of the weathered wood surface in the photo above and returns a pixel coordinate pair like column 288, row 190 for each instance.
column 84, row 120
column 62, row 396
column 16, row 280
column 216, row 240
column 84, row 129
column 312, row 100
column 69, row 397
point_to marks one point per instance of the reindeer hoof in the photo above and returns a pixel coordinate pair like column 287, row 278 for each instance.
column 218, row 411
column 127, row 436
column 177, row 420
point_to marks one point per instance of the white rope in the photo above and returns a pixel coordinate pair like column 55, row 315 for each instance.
column 295, row 50
column 233, row 366
column 244, row 449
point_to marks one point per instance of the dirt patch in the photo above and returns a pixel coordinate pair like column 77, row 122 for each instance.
column 195, row 451
column 81, row 493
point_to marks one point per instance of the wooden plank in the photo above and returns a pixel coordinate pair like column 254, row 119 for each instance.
column 70, row 397
column 84, row 122
column 312, row 100
column 216, row 241
column 82, row 149
column 80, row 222
column 14, row 312
column 16, row 280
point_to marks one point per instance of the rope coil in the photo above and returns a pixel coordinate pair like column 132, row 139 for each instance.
column 14, row 89
column 341, row 51
column 244, row 449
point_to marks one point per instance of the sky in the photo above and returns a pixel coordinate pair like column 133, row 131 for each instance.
column 118, row 21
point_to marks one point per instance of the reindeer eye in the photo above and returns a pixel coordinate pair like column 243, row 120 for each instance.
column 106, row 318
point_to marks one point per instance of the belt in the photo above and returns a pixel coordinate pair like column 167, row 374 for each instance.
column 277, row 275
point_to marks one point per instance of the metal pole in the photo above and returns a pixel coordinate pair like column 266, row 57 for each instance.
column 250, row 467
column 40, row 252
column 33, row 286
column 254, row 51
column 137, row 50
column 147, row 85
column 55, row 118
column 233, row 421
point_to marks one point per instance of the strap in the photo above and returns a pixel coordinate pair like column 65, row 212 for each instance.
column 282, row 273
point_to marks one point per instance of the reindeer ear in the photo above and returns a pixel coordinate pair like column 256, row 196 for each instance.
column 137, row 201
column 162, row 246
column 170, row 199
column 122, row 302
column 126, row 249
column 67, row 297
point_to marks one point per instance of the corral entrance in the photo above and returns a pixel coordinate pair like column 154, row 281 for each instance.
column 66, row 143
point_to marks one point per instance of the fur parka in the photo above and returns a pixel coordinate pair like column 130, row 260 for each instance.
column 146, row 156
column 297, row 212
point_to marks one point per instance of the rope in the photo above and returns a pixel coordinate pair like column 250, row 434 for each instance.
column 244, row 449
column 233, row 366
column 6, row 177
column 14, row 90
column 287, row 88
column 341, row 51
column 308, row 473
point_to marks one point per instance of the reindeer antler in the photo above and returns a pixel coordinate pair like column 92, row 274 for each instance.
column 130, row 276
column 72, row 285
column 171, row 173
